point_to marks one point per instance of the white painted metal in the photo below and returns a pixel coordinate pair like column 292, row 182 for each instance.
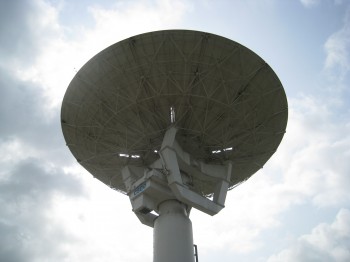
column 173, row 237
column 169, row 178
column 176, row 160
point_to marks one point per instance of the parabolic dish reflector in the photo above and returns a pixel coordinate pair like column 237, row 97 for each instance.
column 226, row 102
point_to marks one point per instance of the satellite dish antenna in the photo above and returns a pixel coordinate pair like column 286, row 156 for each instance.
column 174, row 119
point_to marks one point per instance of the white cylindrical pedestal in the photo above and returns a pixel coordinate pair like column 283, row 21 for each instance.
column 173, row 237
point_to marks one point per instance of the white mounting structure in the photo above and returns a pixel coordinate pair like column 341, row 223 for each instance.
column 164, row 188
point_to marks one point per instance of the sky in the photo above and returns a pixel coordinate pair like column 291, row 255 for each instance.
column 297, row 208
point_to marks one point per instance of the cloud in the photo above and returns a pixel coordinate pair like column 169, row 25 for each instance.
column 337, row 46
column 310, row 3
column 64, row 50
column 139, row 16
column 31, row 180
column 326, row 242
column 31, row 143
column 22, row 106
column 313, row 157
column 25, row 26
column 27, row 193
column 29, row 128
column 24, row 112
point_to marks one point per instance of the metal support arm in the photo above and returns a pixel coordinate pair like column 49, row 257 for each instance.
column 174, row 158
column 149, row 187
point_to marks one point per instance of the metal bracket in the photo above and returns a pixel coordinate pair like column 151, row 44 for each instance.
column 174, row 159
column 148, row 187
